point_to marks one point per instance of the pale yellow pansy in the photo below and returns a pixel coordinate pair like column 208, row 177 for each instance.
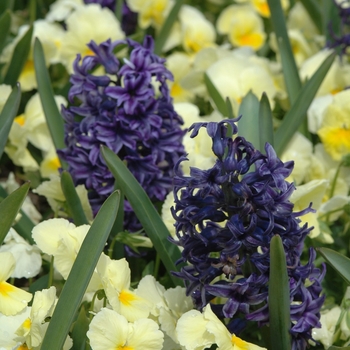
column 179, row 64
column 52, row 190
column 12, row 299
column 311, row 192
column 337, row 78
column 150, row 12
column 86, row 23
column 196, row 31
column 242, row 25
column 334, row 131
column 197, row 331
column 62, row 239
column 299, row 149
column 329, row 319
column 110, row 330
column 235, row 75
column 50, row 36
column 115, row 278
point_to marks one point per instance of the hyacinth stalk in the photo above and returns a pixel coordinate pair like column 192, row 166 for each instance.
column 129, row 110
column 226, row 217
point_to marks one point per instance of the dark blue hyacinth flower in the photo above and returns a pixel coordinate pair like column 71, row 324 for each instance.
column 225, row 219
column 129, row 110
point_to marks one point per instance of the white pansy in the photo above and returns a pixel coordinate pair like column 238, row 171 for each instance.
column 27, row 256
column 13, row 300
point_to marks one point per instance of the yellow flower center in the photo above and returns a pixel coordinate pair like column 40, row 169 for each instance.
column 27, row 323
column 242, row 345
column 176, row 90
column 262, row 7
column 336, row 141
column 23, row 347
column 254, row 40
column 54, row 163
column 28, row 67
column 126, row 297
column 124, row 347
column 6, row 288
column 20, row 120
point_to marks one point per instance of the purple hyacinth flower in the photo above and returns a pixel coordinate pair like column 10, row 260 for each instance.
column 226, row 217
column 123, row 111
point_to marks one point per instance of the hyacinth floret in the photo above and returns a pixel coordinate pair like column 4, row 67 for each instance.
column 226, row 217
column 129, row 110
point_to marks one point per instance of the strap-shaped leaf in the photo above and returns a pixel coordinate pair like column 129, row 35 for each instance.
column 5, row 24
column 72, row 199
column 215, row 96
column 279, row 297
column 7, row 116
column 338, row 261
column 9, row 208
column 289, row 67
column 145, row 212
column 313, row 9
column 166, row 28
column 25, row 225
column 248, row 125
column 19, row 58
column 297, row 113
column 265, row 123
column 80, row 275
column 80, row 328
column 52, row 114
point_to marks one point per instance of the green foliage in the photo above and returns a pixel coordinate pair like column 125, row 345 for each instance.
column 151, row 222
column 279, row 300
column 80, row 275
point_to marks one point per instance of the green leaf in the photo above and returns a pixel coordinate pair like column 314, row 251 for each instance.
column 5, row 24
column 52, row 114
column 339, row 348
column 80, row 275
column 9, row 208
column 313, row 9
column 289, row 67
column 166, row 28
column 145, row 212
column 39, row 284
column 7, row 116
column 297, row 113
column 25, row 225
column 215, row 96
column 72, row 199
column 279, row 297
column 80, row 328
column 248, row 125
column 19, row 58
column 265, row 123
column 338, row 261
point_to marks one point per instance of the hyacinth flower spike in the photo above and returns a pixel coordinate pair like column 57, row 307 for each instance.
column 225, row 219
column 129, row 110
